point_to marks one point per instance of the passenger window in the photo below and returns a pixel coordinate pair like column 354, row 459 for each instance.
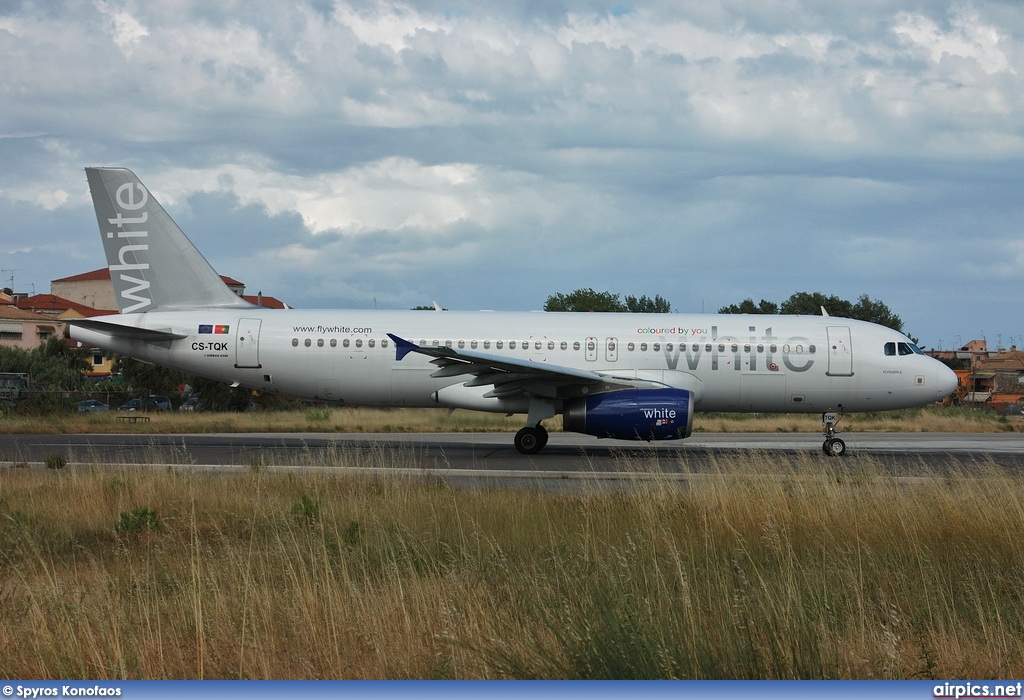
column 643, row 347
column 591, row 346
column 334, row 342
column 707, row 348
column 499, row 344
column 668, row 346
column 472, row 345
column 308, row 343
column 462, row 345
column 345, row 343
column 320, row 342
column 487, row 345
column 371, row 342
column 565, row 345
column 576, row 345
column 295, row 342
column 785, row 349
column 656, row 347
column 696, row 347
column 359, row 343
column 511, row 345
column 734, row 347
column 551, row 345
column 611, row 347
column 631, row 347
column 383, row 343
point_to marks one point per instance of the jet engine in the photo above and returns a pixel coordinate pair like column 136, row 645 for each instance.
column 632, row 414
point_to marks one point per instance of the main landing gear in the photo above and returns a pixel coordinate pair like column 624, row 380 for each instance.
column 833, row 446
column 531, row 439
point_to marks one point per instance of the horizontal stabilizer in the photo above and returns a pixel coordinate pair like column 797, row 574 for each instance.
column 116, row 330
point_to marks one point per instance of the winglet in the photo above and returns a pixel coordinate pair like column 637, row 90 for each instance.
column 402, row 347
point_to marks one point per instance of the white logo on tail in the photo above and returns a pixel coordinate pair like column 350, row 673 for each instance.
column 131, row 197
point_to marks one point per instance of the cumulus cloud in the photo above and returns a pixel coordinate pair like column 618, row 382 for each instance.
column 493, row 153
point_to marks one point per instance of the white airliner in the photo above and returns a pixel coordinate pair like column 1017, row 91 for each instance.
column 623, row 376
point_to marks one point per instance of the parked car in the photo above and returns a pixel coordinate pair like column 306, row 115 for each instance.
column 153, row 403
column 192, row 403
column 90, row 405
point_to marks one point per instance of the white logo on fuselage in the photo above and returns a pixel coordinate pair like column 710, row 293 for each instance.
column 732, row 352
column 134, row 246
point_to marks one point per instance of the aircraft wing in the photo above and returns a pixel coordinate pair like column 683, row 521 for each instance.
column 510, row 376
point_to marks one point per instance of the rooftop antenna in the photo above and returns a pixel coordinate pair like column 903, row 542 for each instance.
column 11, row 278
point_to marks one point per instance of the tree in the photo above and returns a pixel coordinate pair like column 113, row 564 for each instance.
column 51, row 365
column 808, row 304
column 585, row 300
column 144, row 379
column 747, row 306
column 646, row 305
column 589, row 300
column 868, row 309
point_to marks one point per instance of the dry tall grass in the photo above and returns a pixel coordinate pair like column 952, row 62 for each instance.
column 404, row 420
column 768, row 567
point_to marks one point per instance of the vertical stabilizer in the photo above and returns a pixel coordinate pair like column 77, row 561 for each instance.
column 153, row 265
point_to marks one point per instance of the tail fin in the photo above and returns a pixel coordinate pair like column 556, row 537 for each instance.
column 153, row 265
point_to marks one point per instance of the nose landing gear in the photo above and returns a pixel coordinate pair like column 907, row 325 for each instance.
column 833, row 446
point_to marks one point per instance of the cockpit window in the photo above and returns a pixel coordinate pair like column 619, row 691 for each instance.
column 892, row 349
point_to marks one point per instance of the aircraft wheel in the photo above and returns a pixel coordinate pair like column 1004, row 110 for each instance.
column 531, row 440
column 834, row 447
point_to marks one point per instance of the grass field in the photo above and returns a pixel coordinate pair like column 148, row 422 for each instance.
column 767, row 567
column 358, row 420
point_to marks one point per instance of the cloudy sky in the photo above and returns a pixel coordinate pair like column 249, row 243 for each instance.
column 489, row 153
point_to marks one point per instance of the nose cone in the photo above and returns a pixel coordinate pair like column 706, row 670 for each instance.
column 945, row 379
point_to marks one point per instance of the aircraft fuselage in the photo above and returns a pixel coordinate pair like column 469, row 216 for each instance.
column 730, row 362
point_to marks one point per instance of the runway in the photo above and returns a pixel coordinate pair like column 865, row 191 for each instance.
column 484, row 457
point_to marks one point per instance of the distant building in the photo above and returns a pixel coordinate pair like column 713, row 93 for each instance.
column 989, row 379
column 998, row 381
column 94, row 289
column 60, row 310
column 26, row 330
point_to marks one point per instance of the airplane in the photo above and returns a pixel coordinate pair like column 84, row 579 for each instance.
column 620, row 376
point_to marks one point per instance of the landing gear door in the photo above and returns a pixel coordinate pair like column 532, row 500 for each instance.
column 247, row 343
column 840, row 352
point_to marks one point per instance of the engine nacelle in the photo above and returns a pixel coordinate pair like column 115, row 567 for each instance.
column 632, row 414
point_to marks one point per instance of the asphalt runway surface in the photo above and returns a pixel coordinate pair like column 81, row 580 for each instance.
column 490, row 458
